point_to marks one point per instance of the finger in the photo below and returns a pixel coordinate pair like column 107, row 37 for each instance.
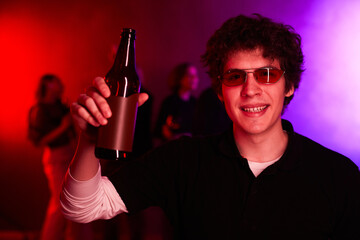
column 100, row 84
column 83, row 125
column 143, row 97
column 91, row 108
column 100, row 102
column 82, row 117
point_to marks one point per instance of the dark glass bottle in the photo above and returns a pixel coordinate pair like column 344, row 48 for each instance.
column 114, row 141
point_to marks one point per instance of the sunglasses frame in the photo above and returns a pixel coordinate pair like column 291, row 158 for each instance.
column 253, row 72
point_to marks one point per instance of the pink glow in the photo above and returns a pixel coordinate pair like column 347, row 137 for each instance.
column 326, row 107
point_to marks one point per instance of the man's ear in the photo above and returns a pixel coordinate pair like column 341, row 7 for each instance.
column 290, row 92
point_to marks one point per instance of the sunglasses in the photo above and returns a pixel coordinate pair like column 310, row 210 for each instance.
column 265, row 75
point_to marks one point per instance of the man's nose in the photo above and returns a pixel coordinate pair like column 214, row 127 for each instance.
column 250, row 87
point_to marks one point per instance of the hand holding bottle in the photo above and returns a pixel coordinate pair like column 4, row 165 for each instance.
column 92, row 110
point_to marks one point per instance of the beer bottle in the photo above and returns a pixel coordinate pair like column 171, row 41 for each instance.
column 115, row 139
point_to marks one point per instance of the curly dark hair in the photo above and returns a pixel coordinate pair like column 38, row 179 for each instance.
column 278, row 41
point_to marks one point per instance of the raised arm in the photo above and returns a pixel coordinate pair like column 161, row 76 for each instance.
column 86, row 195
column 89, row 112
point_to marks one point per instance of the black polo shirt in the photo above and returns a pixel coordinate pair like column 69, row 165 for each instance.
column 208, row 191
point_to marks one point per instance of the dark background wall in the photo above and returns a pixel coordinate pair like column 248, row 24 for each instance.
column 74, row 40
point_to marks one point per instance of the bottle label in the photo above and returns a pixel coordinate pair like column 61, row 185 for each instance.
column 118, row 134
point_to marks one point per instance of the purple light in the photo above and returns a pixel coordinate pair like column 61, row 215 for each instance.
column 326, row 106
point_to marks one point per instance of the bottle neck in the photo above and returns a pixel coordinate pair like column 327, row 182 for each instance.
column 122, row 77
column 125, row 57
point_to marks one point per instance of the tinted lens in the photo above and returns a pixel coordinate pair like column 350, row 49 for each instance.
column 268, row 75
column 234, row 78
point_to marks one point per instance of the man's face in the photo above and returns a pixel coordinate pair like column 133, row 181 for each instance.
column 254, row 108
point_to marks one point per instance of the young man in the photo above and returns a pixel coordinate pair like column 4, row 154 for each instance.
column 259, row 180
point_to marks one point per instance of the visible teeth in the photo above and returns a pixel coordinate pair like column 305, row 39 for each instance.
column 255, row 109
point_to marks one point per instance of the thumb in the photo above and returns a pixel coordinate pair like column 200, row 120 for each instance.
column 143, row 97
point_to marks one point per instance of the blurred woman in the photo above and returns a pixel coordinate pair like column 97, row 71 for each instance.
column 50, row 126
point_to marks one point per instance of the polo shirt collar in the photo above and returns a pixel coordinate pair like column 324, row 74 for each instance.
column 227, row 145
column 293, row 154
column 290, row 159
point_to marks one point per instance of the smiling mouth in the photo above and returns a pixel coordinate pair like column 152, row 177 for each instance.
column 254, row 109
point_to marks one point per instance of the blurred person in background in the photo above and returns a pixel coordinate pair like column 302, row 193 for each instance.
column 51, row 127
column 176, row 113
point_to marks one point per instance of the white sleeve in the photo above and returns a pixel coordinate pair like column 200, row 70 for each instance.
column 85, row 201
